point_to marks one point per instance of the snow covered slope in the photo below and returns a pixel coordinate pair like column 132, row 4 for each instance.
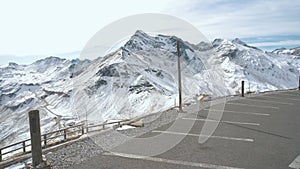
column 43, row 85
column 138, row 78
column 262, row 70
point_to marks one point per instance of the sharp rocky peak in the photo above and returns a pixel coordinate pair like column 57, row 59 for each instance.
column 239, row 41
column 12, row 64
column 50, row 59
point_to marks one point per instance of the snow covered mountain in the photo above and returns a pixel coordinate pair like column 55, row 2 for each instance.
column 292, row 51
column 42, row 85
column 138, row 78
column 263, row 70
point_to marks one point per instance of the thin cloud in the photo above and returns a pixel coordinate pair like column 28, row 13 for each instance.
column 32, row 28
column 279, row 43
column 233, row 18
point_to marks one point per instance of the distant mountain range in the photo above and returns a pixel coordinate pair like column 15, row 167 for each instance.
column 138, row 78
column 292, row 51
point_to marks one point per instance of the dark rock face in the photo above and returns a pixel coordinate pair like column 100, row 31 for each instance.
column 233, row 53
column 100, row 82
column 48, row 92
column 109, row 71
column 157, row 72
column 203, row 46
column 146, row 86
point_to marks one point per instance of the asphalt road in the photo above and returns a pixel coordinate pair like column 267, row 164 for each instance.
column 258, row 132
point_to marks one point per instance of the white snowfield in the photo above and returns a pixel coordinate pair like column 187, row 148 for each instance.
column 137, row 79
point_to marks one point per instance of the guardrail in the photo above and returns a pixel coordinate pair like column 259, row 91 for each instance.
column 53, row 138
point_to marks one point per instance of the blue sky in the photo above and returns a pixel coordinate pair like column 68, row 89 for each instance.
column 34, row 29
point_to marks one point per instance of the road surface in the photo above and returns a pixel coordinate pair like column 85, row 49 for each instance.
column 258, row 132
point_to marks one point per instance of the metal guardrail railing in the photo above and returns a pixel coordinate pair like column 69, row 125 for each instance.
column 53, row 138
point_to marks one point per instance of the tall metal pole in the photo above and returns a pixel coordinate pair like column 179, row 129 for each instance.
column 179, row 77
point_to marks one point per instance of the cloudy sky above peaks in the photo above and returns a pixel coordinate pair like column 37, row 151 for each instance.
column 35, row 29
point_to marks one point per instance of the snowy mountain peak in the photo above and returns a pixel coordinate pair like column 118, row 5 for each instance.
column 12, row 65
column 293, row 51
column 203, row 46
column 49, row 60
column 223, row 44
column 140, row 33
column 239, row 41
column 142, row 42
column 218, row 42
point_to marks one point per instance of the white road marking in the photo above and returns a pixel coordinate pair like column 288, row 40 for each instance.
column 162, row 160
column 238, row 112
column 197, row 135
column 296, row 163
column 267, row 96
column 249, row 105
column 268, row 101
column 223, row 121
column 286, row 94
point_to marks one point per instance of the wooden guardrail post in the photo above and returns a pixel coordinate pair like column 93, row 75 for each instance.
column 0, row 155
column 65, row 134
column 24, row 146
column 243, row 88
column 82, row 129
column 45, row 140
column 35, row 134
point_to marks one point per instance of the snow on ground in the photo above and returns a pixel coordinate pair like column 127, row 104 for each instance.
column 125, row 127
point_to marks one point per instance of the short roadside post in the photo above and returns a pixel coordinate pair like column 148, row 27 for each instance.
column 299, row 83
column 35, row 134
column 243, row 89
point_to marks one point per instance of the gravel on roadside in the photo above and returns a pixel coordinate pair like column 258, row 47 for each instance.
column 92, row 144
